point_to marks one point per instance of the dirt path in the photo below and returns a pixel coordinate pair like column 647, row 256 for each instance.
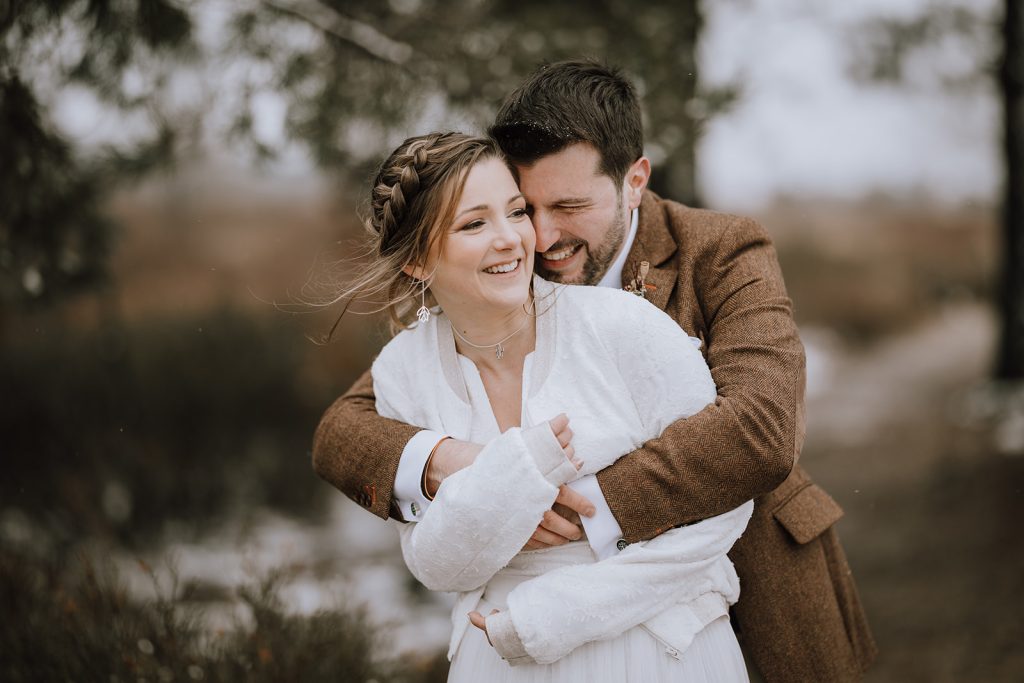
column 932, row 508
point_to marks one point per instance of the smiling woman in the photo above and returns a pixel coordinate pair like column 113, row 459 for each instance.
column 479, row 272
column 413, row 204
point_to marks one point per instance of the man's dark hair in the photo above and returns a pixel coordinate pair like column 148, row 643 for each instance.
column 568, row 102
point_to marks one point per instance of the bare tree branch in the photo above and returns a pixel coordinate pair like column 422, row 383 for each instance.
column 357, row 33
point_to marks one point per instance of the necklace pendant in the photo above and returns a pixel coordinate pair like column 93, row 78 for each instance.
column 499, row 351
column 423, row 314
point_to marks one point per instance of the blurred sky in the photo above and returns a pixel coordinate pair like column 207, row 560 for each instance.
column 804, row 125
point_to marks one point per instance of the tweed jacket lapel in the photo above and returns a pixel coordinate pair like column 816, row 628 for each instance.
column 654, row 243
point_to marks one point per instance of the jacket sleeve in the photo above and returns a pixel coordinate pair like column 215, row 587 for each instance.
column 357, row 451
column 484, row 514
column 745, row 443
column 553, row 614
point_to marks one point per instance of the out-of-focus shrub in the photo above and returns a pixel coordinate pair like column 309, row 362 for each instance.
column 116, row 433
column 78, row 623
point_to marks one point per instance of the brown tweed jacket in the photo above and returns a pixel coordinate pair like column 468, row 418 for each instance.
column 799, row 617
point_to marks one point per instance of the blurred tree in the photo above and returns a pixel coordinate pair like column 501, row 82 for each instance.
column 357, row 76
column 360, row 75
column 888, row 46
column 1011, row 350
column 54, row 236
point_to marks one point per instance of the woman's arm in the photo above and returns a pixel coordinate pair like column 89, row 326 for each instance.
column 482, row 515
column 553, row 614
column 666, row 379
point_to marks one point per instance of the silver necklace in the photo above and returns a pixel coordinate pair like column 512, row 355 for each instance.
column 499, row 350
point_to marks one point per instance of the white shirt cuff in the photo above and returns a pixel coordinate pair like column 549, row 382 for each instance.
column 408, row 490
column 603, row 530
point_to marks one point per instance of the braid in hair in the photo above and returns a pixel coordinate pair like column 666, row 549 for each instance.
column 396, row 187
column 415, row 193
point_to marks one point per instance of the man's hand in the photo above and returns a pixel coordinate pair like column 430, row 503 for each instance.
column 450, row 456
column 561, row 523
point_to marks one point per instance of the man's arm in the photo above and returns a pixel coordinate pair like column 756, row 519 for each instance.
column 380, row 463
column 746, row 443
column 358, row 451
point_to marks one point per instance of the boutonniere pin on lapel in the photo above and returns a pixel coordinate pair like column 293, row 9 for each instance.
column 637, row 285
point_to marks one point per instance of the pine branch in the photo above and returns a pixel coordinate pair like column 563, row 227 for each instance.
column 357, row 33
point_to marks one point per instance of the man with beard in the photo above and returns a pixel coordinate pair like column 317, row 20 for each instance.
column 572, row 131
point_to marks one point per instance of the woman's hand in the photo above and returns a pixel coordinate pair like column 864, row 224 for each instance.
column 560, row 428
column 561, row 524
column 480, row 622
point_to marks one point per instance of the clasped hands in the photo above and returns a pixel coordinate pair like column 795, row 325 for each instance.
column 559, row 525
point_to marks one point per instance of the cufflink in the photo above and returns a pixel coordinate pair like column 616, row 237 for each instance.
column 621, row 544
column 415, row 509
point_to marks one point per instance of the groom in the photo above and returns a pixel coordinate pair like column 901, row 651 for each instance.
column 573, row 132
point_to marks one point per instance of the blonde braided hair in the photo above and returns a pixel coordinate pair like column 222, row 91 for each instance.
column 412, row 200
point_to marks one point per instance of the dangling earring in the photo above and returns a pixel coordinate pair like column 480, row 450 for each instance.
column 423, row 313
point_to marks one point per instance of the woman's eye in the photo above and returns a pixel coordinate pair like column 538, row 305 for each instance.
column 519, row 213
column 472, row 225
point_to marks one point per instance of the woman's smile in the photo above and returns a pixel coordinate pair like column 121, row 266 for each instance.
column 504, row 268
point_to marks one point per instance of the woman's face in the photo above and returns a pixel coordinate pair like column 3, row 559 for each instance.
column 486, row 254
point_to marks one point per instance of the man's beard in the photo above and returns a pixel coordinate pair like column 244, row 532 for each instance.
column 598, row 259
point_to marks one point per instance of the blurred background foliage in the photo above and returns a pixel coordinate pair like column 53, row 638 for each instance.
column 153, row 400
column 355, row 75
column 80, row 622
column 54, row 236
column 371, row 68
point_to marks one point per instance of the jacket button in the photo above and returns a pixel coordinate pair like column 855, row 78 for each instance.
column 621, row 544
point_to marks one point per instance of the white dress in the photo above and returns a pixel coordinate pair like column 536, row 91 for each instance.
column 621, row 370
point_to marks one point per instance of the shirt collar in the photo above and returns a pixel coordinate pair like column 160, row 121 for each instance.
column 613, row 278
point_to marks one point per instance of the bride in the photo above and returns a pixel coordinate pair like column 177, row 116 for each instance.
column 558, row 381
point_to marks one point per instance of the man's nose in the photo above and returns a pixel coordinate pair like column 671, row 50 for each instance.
column 547, row 230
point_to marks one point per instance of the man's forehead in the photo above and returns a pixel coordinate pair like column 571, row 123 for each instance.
column 577, row 152
column 567, row 172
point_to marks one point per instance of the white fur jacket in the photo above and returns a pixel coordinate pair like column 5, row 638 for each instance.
column 622, row 370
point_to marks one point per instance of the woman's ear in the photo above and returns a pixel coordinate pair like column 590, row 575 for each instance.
column 414, row 271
